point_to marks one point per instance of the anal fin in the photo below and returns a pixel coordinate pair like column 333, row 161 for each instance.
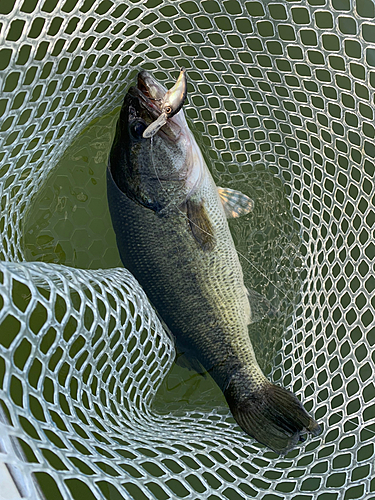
column 234, row 202
column 186, row 360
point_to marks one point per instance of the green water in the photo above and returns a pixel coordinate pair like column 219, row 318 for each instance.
column 69, row 221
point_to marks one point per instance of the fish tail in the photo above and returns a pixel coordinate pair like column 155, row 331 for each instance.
column 271, row 414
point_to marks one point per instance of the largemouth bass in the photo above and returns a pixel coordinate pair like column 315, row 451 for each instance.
column 170, row 221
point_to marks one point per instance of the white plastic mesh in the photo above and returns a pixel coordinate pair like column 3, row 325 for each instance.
column 282, row 95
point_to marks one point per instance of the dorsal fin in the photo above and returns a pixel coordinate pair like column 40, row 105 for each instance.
column 234, row 202
column 200, row 224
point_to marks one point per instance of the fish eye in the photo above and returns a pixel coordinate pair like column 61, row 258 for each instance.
column 137, row 128
column 168, row 110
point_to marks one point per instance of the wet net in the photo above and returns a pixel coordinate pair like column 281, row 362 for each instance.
column 281, row 96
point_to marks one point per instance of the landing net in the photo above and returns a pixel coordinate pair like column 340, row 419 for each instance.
column 281, row 95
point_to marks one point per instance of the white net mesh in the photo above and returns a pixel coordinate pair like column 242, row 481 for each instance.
column 282, row 96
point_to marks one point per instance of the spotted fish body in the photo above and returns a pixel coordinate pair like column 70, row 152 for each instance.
column 170, row 221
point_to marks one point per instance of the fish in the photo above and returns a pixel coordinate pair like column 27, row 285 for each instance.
column 171, row 226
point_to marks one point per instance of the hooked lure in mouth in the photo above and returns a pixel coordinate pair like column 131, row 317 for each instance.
column 170, row 221
column 171, row 104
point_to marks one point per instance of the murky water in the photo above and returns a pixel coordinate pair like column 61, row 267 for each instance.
column 69, row 221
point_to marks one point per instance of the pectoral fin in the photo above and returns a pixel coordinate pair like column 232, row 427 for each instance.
column 234, row 202
column 260, row 307
column 200, row 224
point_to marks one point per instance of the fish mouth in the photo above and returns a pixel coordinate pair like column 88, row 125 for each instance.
column 150, row 87
column 150, row 94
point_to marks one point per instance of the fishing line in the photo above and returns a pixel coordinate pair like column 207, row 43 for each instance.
column 340, row 412
column 209, row 234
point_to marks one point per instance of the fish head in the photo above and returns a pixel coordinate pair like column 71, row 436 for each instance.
column 151, row 168
column 156, row 101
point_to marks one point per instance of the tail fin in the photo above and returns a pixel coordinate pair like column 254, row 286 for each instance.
column 272, row 415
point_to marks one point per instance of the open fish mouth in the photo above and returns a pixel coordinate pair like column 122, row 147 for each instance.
column 154, row 99
column 150, row 94
column 150, row 87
